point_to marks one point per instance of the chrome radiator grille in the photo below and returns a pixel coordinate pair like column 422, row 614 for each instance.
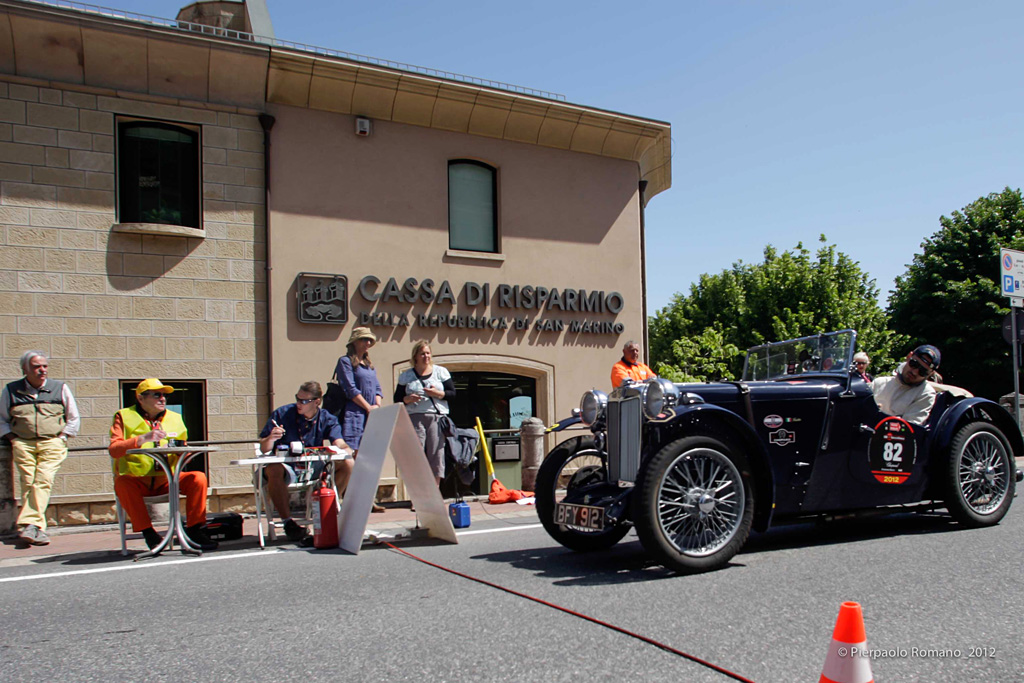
column 623, row 438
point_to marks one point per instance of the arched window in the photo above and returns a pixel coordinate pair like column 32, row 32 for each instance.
column 158, row 174
column 472, row 206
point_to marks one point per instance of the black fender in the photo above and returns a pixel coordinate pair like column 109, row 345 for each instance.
column 957, row 414
column 562, row 424
column 693, row 419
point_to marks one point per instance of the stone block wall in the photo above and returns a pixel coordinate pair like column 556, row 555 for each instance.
column 109, row 305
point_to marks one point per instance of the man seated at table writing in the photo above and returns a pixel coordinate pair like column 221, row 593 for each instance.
column 146, row 424
column 302, row 421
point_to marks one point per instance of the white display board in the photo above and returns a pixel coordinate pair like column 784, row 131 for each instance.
column 389, row 429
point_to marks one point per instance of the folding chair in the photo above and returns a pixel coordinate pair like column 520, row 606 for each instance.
column 122, row 522
column 304, row 484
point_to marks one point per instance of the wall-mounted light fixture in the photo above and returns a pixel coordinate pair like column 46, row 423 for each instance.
column 363, row 126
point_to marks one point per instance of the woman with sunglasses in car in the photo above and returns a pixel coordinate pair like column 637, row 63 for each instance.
column 860, row 366
column 906, row 393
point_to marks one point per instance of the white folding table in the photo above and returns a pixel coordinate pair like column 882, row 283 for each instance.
column 258, row 463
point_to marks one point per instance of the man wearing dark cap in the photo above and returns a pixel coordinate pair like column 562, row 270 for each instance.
column 906, row 393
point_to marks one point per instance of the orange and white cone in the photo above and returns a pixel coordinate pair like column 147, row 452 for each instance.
column 847, row 660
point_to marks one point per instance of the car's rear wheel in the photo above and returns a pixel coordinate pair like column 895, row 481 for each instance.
column 980, row 475
column 696, row 504
column 571, row 465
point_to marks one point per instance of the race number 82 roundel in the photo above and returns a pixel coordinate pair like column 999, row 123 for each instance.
column 893, row 451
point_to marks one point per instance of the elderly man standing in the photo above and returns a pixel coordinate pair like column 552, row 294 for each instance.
column 37, row 415
column 630, row 367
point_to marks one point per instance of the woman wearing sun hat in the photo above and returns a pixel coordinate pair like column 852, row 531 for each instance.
column 359, row 383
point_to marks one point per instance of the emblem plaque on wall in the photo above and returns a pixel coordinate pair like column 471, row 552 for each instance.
column 322, row 298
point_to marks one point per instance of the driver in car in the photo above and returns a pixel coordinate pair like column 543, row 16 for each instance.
column 906, row 392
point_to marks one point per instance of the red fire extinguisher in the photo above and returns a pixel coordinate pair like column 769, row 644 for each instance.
column 325, row 517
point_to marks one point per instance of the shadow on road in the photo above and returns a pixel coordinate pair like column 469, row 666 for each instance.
column 88, row 557
column 818, row 533
column 625, row 563
column 628, row 563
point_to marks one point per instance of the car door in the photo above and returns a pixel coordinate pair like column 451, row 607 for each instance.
column 869, row 458
column 789, row 417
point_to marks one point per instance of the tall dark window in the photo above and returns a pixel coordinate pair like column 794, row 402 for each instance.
column 158, row 173
column 472, row 206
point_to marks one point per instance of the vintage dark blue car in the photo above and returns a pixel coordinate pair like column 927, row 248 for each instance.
column 695, row 466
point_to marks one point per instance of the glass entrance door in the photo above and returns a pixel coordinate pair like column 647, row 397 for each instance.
column 501, row 401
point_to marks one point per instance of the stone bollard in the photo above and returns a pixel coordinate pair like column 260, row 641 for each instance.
column 8, row 510
column 531, row 445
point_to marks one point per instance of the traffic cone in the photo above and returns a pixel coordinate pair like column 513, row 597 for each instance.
column 847, row 660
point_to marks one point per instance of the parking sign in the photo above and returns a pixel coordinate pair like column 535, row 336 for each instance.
column 1011, row 265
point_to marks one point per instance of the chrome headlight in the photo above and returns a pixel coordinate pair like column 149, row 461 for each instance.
column 660, row 394
column 592, row 406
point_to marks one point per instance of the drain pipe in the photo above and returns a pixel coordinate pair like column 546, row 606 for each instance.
column 643, row 268
column 267, row 122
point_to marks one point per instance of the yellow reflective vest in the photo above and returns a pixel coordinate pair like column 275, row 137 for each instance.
column 135, row 425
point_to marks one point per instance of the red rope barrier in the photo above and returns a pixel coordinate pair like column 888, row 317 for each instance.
column 649, row 641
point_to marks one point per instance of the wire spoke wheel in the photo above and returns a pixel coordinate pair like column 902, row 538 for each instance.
column 695, row 503
column 980, row 475
column 583, row 467
column 982, row 472
column 574, row 466
column 700, row 502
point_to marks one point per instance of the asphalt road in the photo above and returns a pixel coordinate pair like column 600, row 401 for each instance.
column 933, row 595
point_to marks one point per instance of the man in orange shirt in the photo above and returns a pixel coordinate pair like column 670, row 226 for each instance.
column 630, row 366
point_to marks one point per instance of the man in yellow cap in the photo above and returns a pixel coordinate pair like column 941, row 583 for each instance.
column 146, row 424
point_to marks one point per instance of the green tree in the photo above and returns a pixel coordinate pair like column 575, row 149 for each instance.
column 950, row 295
column 793, row 294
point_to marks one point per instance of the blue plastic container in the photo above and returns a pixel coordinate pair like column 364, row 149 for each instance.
column 459, row 512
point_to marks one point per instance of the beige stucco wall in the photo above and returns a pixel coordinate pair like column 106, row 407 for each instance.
column 108, row 305
column 378, row 205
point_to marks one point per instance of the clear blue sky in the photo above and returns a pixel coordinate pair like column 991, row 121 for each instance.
column 863, row 121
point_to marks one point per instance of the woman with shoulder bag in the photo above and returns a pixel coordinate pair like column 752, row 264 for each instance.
column 426, row 390
column 359, row 383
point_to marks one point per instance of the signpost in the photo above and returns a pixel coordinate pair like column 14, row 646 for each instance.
column 1011, row 278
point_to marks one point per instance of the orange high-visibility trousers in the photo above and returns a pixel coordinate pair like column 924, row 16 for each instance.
column 131, row 490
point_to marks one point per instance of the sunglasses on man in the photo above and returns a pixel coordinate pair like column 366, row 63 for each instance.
column 305, row 401
column 153, row 394
column 918, row 367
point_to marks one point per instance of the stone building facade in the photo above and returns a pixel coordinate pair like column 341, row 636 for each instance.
column 360, row 176
column 111, row 301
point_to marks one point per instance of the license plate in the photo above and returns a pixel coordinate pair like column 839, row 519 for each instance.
column 580, row 516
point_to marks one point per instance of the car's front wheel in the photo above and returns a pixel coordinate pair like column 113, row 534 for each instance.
column 572, row 465
column 696, row 504
column 980, row 475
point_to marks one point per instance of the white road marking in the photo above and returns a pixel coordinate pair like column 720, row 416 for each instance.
column 263, row 553
column 145, row 565
column 494, row 531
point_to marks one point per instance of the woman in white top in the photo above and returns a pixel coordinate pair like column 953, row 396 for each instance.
column 426, row 389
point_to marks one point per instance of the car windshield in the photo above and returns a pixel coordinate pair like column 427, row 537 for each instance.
column 829, row 353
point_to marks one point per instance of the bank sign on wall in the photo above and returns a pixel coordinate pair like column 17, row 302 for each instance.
column 394, row 302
